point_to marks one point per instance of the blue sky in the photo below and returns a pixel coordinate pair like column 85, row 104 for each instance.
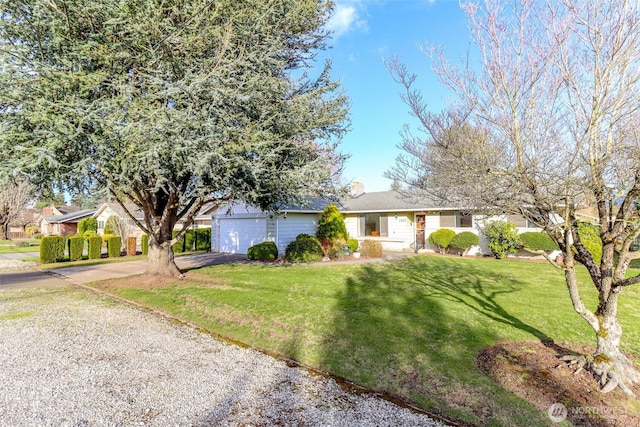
column 364, row 33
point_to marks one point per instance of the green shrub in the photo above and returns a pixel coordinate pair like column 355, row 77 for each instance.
column 502, row 238
column 88, row 233
column 189, row 240
column 95, row 247
column 353, row 245
column 178, row 246
column 87, row 224
column 265, row 251
column 537, row 241
column 203, row 239
column 442, row 239
column 52, row 249
column 371, row 248
column 331, row 225
column 76, row 247
column 590, row 237
column 21, row 244
column 305, row 248
column 114, row 246
column 464, row 241
column 131, row 246
column 105, row 239
column 144, row 244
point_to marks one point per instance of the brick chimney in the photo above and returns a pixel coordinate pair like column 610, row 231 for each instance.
column 357, row 188
column 47, row 210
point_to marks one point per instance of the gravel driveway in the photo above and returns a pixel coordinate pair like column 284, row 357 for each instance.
column 71, row 358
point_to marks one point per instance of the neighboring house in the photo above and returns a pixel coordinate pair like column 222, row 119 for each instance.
column 26, row 218
column 397, row 223
column 102, row 214
column 61, row 220
column 107, row 210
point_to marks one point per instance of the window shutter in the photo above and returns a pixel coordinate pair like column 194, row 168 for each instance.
column 384, row 225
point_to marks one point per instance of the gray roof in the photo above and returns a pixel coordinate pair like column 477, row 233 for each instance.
column 387, row 201
column 311, row 205
column 69, row 217
column 379, row 201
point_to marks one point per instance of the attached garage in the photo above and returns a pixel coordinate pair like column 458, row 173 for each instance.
column 237, row 235
column 236, row 228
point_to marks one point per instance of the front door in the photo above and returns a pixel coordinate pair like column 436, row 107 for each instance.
column 420, row 242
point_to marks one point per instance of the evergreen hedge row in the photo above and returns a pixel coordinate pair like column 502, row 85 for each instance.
column 76, row 247
column 179, row 246
column 114, row 246
column 144, row 244
column 202, row 237
column 52, row 249
column 95, row 247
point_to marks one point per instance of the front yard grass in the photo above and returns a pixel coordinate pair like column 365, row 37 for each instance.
column 411, row 328
column 10, row 246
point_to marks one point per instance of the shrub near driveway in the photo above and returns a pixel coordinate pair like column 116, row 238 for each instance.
column 412, row 327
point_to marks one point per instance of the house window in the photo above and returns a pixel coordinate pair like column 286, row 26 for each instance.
column 456, row 219
column 100, row 225
column 373, row 225
column 520, row 221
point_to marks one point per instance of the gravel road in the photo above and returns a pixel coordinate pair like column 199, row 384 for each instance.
column 70, row 358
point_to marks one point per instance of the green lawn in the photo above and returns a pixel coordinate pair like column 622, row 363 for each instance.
column 9, row 246
column 411, row 328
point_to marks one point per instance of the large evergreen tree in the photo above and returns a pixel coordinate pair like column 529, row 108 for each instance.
column 171, row 104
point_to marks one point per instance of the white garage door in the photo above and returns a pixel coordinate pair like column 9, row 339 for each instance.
column 238, row 235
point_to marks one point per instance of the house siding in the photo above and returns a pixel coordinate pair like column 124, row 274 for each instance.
column 399, row 234
column 288, row 229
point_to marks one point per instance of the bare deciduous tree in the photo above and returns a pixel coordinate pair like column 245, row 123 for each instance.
column 546, row 123
column 14, row 196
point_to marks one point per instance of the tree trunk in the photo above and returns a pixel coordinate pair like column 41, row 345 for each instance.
column 161, row 260
column 609, row 363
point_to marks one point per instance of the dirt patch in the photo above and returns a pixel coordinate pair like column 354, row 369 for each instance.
column 533, row 371
column 143, row 281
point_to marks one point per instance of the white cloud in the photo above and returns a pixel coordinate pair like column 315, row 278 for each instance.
column 344, row 19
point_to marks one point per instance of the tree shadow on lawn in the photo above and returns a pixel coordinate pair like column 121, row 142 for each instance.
column 413, row 328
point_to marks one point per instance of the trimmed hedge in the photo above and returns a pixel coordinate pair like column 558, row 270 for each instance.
column 371, row 248
column 144, row 244
column 179, row 246
column 305, row 248
column 537, row 241
column 442, row 239
column 464, row 241
column 52, row 249
column 265, row 251
column 131, row 246
column 203, row 239
column 95, row 247
column 105, row 239
column 114, row 246
column 201, row 236
column 76, row 247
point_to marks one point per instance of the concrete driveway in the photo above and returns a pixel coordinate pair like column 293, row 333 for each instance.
column 91, row 273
